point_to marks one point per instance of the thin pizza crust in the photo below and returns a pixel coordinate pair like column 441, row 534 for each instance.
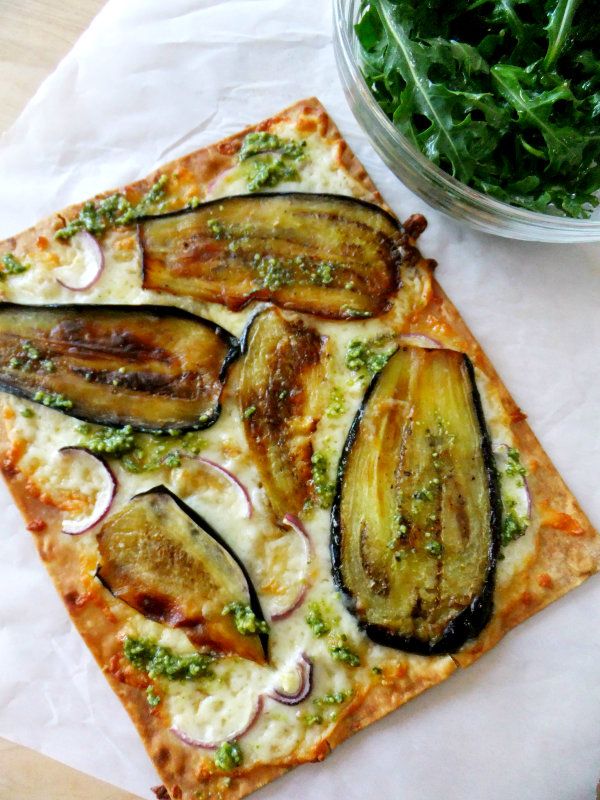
column 566, row 549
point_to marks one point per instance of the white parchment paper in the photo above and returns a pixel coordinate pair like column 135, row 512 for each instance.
column 149, row 81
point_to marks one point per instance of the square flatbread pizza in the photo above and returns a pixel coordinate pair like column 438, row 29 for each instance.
column 276, row 481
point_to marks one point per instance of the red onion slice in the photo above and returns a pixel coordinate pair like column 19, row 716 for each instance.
column 292, row 521
column 221, row 177
column 79, row 279
column 284, row 613
column 305, row 671
column 104, row 497
column 419, row 340
column 215, row 743
column 501, row 453
column 233, row 480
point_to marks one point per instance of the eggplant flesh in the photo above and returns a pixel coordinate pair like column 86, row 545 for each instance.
column 165, row 561
column 415, row 522
column 279, row 394
column 328, row 255
column 149, row 367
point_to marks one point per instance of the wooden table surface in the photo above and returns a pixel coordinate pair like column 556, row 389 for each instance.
column 26, row 775
column 34, row 36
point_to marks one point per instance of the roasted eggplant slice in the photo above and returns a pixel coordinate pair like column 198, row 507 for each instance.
column 280, row 384
column 415, row 523
column 328, row 255
column 164, row 560
column 148, row 367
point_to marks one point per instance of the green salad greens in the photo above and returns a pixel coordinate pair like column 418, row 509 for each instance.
column 502, row 94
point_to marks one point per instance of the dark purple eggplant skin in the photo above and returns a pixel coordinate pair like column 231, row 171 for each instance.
column 199, row 520
column 258, row 196
column 470, row 622
column 234, row 352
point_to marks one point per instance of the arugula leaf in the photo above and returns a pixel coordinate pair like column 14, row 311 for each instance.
column 533, row 109
column 437, row 116
column 502, row 94
column 559, row 26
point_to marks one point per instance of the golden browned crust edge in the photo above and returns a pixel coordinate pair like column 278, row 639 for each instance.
column 566, row 557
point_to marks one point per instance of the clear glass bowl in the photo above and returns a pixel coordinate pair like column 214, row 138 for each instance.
column 435, row 186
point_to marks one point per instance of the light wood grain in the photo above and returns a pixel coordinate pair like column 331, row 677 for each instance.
column 27, row 775
column 34, row 36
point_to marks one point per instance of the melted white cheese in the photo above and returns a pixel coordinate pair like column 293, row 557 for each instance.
column 274, row 557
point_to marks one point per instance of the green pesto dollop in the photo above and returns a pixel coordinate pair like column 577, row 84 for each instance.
column 107, row 441
column 514, row 468
column 269, row 172
column 244, row 619
column 53, row 400
column 513, row 525
column 333, row 698
column 114, row 211
column 11, row 266
column 272, row 272
column 337, row 404
column 325, row 708
column 141, row 452
column 30, row 359
column 151, row 696
column 154, row 451
column 339, row 651
column 260, row 142
column 315, row 621
column 161, row 662
column 229, row 756
column 324, row 487
column 367, row 358
column 274, row 159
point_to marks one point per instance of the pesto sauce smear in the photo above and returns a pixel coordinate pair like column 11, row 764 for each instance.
column 228, row 756
column 273, row 160
column 53, row 400
column 322, row 624
column 161, row 662
column 515, row 511
column 367, row 358
column 244, row 619
column 141, row 452
column 11, row 266
column 114, row 211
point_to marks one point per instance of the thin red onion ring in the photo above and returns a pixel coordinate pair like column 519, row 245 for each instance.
column 292, row 521
column 214, row 744
column 104, row 498
column 93, row 258
column 286, row 612
column 233, row 480
column 216, row 181
column 420, row 340
column 305, row 670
